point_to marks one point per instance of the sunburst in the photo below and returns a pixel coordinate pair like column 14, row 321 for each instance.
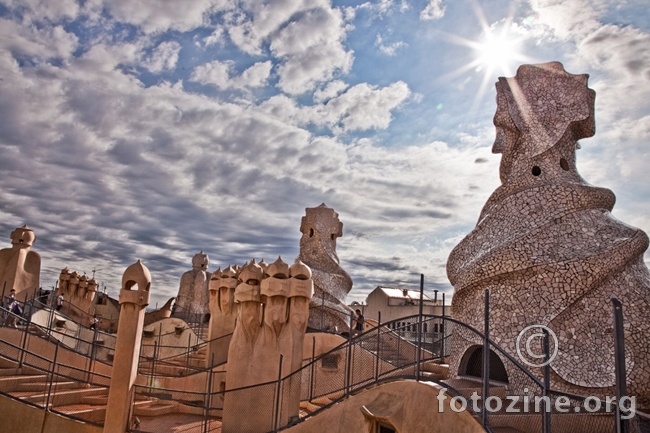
column 497, row 50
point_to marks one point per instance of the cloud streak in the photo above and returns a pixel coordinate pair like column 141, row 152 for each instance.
column 142, row 130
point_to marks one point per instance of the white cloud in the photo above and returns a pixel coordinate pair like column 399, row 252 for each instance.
column 305, row 36
column 569, row 19
column 217, row 37
column 390, row 49
column 163, row 58
column 378, row 9
column 50, row 10
column 433, row 11
column 333, row 88
column 359, row 108
column 36, row 43
column 158, row 16
column 362, row 107
column 220, row 74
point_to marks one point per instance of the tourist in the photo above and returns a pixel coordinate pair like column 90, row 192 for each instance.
column 17, row 313
column 359, row 322
column 59, row 302
column 42, row 295
column 94, row 321
column 14, row 308
column 6, row 316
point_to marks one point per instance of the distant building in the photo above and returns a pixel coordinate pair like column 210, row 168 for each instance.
column 395, row 303
column 399, row 311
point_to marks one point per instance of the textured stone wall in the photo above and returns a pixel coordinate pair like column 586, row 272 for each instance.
column 320, row 228
column 547, row 246
column 193, row 294
column 271, row 324
column 20, row 268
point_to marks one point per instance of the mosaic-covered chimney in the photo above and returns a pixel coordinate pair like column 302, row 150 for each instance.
column 547, row 246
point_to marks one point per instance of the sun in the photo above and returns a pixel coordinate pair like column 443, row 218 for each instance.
column 498, row 52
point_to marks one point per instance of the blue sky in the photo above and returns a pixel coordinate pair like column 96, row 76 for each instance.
column 154, row 129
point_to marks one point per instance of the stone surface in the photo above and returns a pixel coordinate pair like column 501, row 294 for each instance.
column 320, row 228
column 547, row 246
column 79, row 291
column 134, row 297
column 406, row 406
column 193, row 293
column 223, row 312
column 271, row 324
column 20, row 268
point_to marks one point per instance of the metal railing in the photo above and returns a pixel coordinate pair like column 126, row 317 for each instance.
column 403, row 348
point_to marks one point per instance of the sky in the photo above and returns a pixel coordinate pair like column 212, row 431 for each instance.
column 156, row 129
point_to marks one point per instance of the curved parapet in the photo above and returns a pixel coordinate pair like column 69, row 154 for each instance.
column 547, row 246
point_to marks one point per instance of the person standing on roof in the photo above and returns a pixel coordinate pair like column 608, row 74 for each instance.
column 359, row 322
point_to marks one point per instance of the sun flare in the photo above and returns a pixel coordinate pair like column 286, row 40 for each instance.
column 497, row 52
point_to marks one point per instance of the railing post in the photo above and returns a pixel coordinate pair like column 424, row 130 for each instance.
column 622, row 425
column 23, row 343
column 486, row 358
column 159, row 333
column 443, row 330
column 311, row 377
column 277, row 396
column 378, row 344
column 153, row 365
column 546, row 414
column 49, row 391
column 399, row 343
column 51, row 315
column 187, row 357
column 418, row 355
column 92, row 353
column 349, row 360
column 208, row 397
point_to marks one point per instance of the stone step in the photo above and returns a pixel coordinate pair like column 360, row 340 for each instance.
column 65, row 397
column 435, row 368
column 95, row 399
column 40, row 386
column 434, row 376
column 84, row 411
column 156, row 408
column 468, row 387
column 13, row 383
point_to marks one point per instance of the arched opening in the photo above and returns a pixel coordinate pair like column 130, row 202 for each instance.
column 471, row 365
column 564, row 164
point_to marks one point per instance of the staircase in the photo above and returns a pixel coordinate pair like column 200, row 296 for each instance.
column 181, row 365
column 66, row 396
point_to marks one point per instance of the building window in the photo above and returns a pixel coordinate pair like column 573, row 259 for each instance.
column 426, row 328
